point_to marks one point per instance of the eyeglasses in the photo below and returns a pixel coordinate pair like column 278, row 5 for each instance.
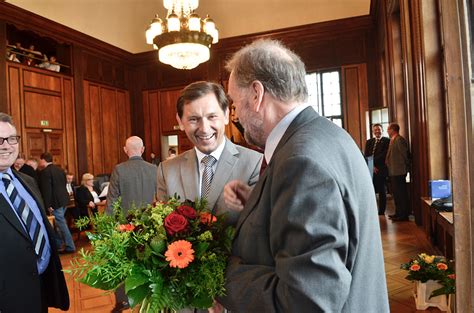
column 12, row 140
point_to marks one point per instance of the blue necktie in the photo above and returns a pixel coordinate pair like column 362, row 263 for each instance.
column 33, row 227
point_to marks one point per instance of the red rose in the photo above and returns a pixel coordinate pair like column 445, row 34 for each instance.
column 175, row 223
column 186, row 211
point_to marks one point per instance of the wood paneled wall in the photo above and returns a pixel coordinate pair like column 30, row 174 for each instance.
column 107, row 126
column 42, row 106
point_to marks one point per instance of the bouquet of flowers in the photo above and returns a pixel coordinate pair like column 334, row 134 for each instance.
column 429, row 267
column 169, row 255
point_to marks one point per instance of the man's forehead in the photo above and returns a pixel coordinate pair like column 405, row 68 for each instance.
column 7, row 128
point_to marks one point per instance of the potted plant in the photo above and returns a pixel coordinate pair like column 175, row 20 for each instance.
column 434, row 280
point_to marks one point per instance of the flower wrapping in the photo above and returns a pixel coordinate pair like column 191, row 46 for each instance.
column 169, row 255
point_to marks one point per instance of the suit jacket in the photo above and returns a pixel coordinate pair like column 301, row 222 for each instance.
column 181, row 175
column 308, row 239
column 397, row 159
column 134, row 181
column 20, row 286
column 379, row 154
column 30, row 171
column 83, row 197
column 53, row 187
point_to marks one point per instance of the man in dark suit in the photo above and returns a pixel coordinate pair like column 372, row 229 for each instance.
column 31, row 279
column 56, row 198
column 308, row 237
column 377, row 147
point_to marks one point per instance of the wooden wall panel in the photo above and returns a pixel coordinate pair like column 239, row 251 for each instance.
column 110, row 123
column 40, row 107
column 69, row 127
column 14, row 96
column 168, row 99
column 107, row 117
column 355, row 102
column 155, row 129
column 41, row 81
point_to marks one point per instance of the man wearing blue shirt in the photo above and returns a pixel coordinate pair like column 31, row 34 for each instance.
column 31, row 279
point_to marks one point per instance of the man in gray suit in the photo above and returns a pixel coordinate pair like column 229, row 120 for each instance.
column 398, row 163
column 203, row 112
column 308, row 238
column 135, row 182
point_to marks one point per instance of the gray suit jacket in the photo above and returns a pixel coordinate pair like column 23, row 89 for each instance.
column 135, row 181
column 397, row 159
column 308, row 239
column 181, row 175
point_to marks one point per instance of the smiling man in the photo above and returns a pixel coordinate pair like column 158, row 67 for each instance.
column 31, row 279
column 203, row 113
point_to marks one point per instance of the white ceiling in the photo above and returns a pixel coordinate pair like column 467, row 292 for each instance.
column 122, row 23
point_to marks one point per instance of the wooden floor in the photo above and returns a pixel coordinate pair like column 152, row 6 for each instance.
column 401, row 241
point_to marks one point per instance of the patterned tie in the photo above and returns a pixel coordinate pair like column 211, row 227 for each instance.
column 33, row 227
column 375, row 145
column 208, row 161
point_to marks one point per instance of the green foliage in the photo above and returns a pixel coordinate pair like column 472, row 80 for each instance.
column 429, row 267
column 131, row 249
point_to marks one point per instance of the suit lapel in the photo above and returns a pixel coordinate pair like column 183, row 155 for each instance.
column 189, row 176
column 223, row 171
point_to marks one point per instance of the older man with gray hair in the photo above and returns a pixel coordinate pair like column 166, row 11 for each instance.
column 308, row 237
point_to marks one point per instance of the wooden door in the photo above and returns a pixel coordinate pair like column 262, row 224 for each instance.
column 38, row 142
column 168, row 100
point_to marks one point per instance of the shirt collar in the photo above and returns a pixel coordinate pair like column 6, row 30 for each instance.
column 279, row 130
column 9, row 172
column 216, row 153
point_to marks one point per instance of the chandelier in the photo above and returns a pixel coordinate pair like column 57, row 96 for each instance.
column 183, row 40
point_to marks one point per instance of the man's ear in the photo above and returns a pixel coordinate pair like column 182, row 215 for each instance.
column 226, row 116
column 181, row 126
column 258, row 92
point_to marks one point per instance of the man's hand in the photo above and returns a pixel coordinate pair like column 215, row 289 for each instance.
column 216, row 308
column 236, row 194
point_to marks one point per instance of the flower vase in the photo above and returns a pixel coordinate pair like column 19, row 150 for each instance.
column 422, row 296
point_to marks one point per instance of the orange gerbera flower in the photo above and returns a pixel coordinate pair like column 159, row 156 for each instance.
column 180, row 253
column 415, row 267
column 442, row 266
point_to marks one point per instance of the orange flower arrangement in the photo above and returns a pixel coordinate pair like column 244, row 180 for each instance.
column 207, row 218
column 415, row 267
column 442, row 266
column 180, row 254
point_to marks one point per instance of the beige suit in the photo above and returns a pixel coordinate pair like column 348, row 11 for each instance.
column 180, row 175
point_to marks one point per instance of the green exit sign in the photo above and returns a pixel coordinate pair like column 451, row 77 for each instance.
column 44, row 123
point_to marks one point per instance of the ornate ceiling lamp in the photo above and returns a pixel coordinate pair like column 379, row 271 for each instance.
column 183, row 40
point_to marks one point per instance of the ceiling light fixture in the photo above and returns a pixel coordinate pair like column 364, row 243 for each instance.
column 184, row 40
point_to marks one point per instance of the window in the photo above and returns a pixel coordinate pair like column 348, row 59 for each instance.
column 324, row 90
column 378, row 116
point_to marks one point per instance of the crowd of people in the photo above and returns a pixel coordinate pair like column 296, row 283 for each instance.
column 31, row 57
column 302, row 202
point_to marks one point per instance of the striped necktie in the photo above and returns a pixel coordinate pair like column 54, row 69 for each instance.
column 33, row 227
column 208, row 161
column 375, row 145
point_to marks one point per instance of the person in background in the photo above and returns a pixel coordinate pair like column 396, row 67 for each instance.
column 171, row 153
column 154, row 159
column 86, row 197
column 19, row 162
column 377, row 147
column 308, row 237
column 30, row 168
column 56, row 198
column 398, row 163
column 135, row 182
column 70, row 185
column 31, row 277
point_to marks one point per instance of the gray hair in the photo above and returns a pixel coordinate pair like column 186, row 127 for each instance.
column 6, row 119
column 280, row 70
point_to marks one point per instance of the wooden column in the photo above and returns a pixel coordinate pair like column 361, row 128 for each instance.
column 3, row 69
column 457, row 80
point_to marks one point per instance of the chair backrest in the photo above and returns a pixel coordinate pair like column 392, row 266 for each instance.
column 99, row 180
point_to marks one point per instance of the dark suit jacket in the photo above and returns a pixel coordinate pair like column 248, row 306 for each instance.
column 53, row 187
column 83, row 197
column 30, row 171
column 20, row 287
column 308, row 239
column 380, row 154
